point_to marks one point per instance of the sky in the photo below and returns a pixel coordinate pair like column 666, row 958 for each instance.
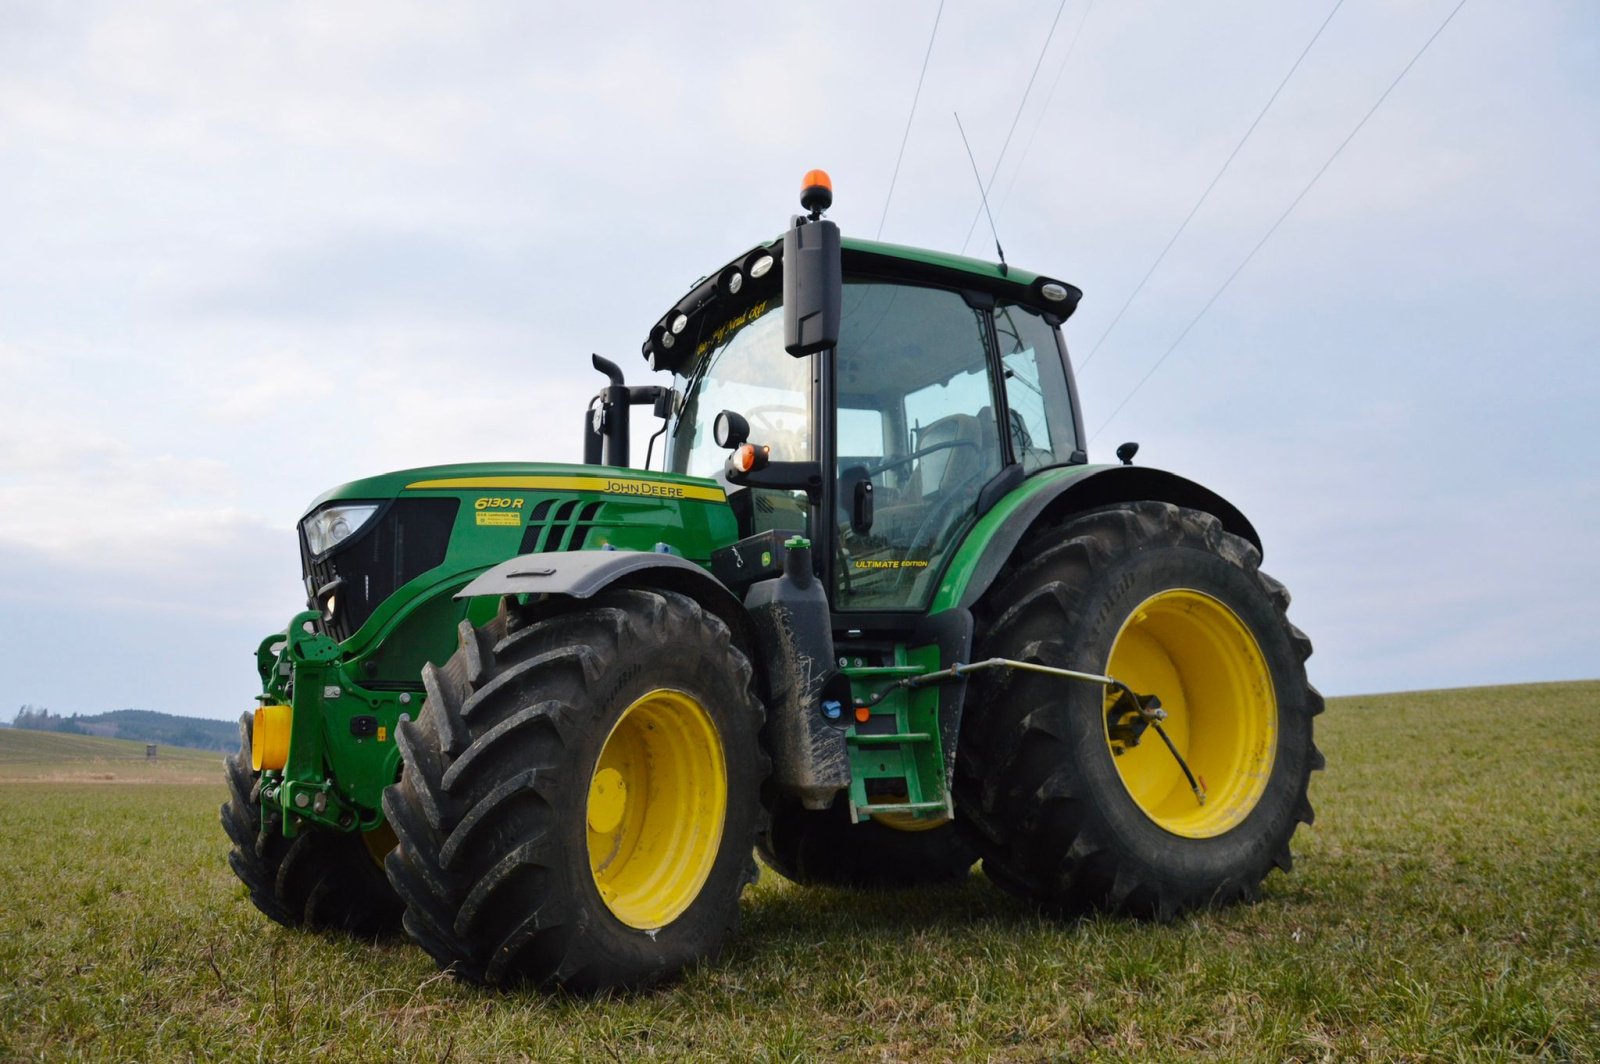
column 248, row 252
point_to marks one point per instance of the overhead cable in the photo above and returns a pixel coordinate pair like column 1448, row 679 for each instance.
column 982, row 207
column 1287, row 211
column 1071, row 47
column 1204, row 195
column 907, row 135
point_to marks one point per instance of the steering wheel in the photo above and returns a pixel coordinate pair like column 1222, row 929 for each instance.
column 920, row 452
column 760, row 413
column 782, row 441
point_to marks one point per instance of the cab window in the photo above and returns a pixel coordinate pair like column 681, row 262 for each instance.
column 741, row 366
column 1040, row 418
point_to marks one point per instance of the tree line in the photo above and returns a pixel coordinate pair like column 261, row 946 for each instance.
column 140, row 725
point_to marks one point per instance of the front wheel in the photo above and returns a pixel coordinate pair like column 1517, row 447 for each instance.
column 580, row 795
column 1072, row 800
column 323, row 879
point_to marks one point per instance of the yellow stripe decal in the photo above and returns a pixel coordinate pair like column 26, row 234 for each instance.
column 648, row 489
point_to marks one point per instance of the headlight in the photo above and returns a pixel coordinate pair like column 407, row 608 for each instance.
column 332, row 525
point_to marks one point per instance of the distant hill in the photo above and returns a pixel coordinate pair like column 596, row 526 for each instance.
column 140, row 725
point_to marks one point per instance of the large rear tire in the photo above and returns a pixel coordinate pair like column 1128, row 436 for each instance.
column 1065, row 810
column 822, row 848
column 580, row 795
column 323, row 879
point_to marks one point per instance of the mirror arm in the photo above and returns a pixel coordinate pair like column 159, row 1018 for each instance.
column 784, row 476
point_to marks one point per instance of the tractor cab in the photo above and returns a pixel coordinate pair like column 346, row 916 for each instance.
column 943, row 384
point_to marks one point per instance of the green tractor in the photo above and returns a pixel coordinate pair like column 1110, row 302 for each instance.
column 874, row 615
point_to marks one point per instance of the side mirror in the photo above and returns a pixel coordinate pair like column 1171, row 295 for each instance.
column 729, row 429
column 666, row 403
column 813, row 287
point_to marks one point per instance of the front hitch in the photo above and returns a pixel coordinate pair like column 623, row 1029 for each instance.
column 333, row 751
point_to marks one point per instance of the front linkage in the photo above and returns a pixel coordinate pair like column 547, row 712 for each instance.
column 324, row 744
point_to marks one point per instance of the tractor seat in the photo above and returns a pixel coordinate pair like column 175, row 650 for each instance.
column 951, row 466
column 947, row 476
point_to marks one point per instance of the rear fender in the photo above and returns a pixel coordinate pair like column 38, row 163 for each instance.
column 1054, row 495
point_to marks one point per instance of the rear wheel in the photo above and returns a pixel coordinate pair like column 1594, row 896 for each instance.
column 580, row 795
column 1068, row 801
column 321, row 878
column 822, row 847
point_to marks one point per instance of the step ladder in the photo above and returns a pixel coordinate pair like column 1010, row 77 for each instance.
column 897, row 748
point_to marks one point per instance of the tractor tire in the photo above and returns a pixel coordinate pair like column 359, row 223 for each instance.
column 1164, row 600
column 580, row 795
column 322, row 879
column 822, row 848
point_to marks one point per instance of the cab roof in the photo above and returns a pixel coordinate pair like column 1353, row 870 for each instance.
column 710, row 301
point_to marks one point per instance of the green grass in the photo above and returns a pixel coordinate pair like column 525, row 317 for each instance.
column 54, row 757
column 1444, row 907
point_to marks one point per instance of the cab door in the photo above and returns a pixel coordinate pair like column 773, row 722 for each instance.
column 916, row 400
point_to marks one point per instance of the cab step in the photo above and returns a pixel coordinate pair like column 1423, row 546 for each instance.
column 895, row 748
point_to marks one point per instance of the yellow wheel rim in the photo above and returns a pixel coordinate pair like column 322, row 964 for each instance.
column 658, row 797
column 380, row 840
column 908, row 822
column 1195, row 654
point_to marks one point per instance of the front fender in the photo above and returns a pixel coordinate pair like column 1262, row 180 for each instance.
column 585, row 573
column 1056, row 493
column 580, row 574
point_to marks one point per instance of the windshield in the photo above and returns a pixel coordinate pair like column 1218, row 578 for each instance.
column 743, row 367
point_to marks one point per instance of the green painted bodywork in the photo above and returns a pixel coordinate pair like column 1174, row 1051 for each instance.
column 693, row 528
column 376, row 672
column 989, row 271
column 964, row 563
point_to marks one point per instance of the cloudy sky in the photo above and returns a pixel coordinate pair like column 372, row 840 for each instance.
column 251, row 251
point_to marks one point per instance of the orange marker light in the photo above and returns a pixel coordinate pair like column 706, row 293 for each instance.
column 816, row 179
column 863, row 714
column 816, row 191
column 748, row 457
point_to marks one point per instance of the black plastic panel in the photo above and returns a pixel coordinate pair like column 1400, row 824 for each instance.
column 403, row 541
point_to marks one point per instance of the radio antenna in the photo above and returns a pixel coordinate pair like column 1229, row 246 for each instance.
column 998, row 250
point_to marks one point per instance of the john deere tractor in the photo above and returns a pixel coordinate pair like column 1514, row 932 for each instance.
column 867, row 610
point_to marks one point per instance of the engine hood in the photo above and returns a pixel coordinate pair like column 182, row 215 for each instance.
column 523, row 480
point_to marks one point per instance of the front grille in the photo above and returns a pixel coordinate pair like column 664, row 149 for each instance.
column 403, row 541
column 558, row 525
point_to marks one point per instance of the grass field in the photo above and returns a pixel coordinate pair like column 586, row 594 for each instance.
column 1444, row 907
column 37, row 756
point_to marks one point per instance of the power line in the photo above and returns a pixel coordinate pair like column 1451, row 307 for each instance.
column 907, row 136
column 1204, row 195
column 1038, row 122
column 999, row 158
column 1287, row 211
